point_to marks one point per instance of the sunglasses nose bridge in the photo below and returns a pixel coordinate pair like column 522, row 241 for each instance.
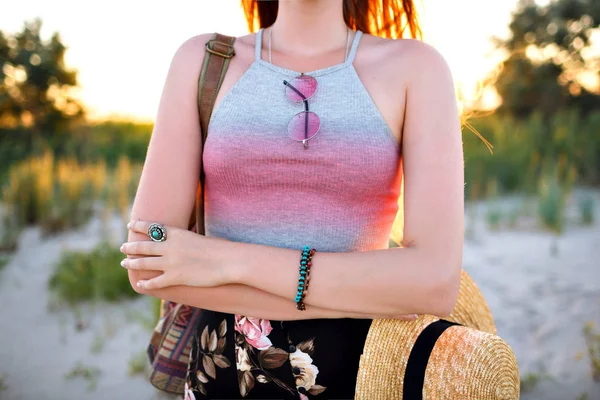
column 298, row 92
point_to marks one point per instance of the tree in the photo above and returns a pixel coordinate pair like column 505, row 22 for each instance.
column 35, row 83
column 551, row 64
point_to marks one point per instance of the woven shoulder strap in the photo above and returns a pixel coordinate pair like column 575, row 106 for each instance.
column 219, row 51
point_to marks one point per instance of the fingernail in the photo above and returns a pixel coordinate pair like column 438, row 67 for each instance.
column 129, row 225
column 123, row 262
column 122, row 247
column 140, row 284
column 414, row 316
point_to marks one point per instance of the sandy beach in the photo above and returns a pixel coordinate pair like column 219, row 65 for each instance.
column 540, row 302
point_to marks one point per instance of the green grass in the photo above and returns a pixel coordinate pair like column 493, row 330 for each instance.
column 97, row 275
column 86, row 372
column 138, row 364
column 4, row 259
column 551, row 204
column 493, row 216
column 513, row 217
column 530, row 381
column 586, row 209
column 12, row 229
column 148, row 322
column 97, row 344
column 592, row 340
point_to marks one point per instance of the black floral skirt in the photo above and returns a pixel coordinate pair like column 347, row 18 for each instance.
column 239, row 357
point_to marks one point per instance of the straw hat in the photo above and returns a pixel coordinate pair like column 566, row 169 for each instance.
column 471, row 308
column 436, row 359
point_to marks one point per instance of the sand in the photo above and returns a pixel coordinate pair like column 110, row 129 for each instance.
column 540, row 303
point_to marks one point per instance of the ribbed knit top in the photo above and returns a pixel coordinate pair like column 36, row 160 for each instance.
column 339, row 194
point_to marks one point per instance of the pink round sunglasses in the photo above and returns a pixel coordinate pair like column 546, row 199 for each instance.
column 304, row 125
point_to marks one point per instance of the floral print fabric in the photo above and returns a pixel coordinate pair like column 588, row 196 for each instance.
column 237, row 356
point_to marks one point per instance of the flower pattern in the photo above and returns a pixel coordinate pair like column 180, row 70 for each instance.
column 188, row 394
column 255, row 331
column 257, row 360
column 305, row 373
column 210, row 345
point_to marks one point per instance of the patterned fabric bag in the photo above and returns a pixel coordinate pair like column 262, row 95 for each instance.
column 171, row 341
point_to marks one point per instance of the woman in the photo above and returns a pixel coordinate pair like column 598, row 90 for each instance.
column 279, row 180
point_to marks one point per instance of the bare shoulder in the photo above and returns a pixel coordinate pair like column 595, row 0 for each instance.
column 405, row 59
column 187, row 58
column 190, row 53
column 192, row 48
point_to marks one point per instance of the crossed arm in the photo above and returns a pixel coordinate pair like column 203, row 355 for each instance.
column 420, row 278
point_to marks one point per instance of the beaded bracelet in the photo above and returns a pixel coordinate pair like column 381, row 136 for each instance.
column 304, row 278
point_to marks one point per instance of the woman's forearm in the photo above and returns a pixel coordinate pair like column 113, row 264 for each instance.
column 239, row 299
column 388, row 281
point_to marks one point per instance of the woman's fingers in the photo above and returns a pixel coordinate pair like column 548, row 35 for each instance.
column 409, row 317
column 143, row 248
column 159, row 282
column 139, row 226
column 144, row 263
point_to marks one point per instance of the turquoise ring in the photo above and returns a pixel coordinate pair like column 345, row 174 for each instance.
column 157, row 233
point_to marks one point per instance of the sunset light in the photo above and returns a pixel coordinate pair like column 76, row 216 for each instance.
column 122, row 50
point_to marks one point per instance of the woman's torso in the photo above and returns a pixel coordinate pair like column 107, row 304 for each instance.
column 340, row 194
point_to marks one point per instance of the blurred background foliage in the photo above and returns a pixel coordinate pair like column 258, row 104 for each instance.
column 551, row 64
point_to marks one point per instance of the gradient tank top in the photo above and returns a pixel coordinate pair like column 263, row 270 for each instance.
column 340, row 194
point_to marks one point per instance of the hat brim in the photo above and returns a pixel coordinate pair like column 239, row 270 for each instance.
column 464, row 363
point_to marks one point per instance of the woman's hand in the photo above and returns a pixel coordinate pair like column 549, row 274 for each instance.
column 184, row 258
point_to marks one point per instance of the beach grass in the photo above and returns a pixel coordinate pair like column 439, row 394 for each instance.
column 4, row 259
column 96, row 275
column 138, row 364
column 592, row 340
column 586, row 209
column 89, row 373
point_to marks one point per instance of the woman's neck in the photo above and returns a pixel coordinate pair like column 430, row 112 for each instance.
column 309, row 27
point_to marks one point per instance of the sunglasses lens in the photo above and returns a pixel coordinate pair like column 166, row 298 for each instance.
column 305, row 84
column 304, row 125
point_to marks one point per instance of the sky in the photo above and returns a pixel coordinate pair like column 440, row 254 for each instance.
column 122, row 49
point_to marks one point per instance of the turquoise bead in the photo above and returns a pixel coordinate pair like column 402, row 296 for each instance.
column 303, row 262
column 301, row 278
column 306, row 248
column 156, row 234
column 302, row 272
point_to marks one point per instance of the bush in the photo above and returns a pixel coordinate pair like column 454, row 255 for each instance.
column 525, row 149
column 96, row 275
